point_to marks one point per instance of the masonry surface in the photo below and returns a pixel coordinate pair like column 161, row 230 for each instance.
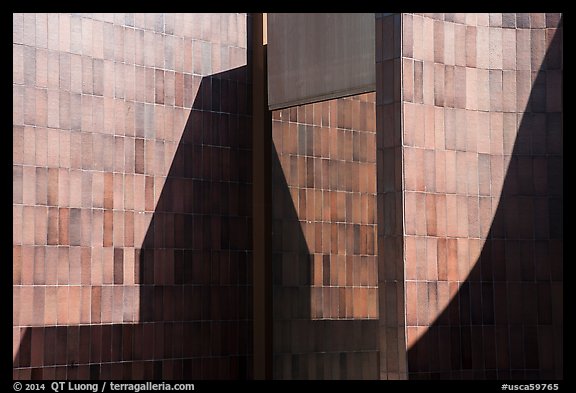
column 416, row 231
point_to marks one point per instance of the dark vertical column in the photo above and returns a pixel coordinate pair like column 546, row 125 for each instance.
column 261, row 195
column 390, row 223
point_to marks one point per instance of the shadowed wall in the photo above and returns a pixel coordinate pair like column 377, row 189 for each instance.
column 132, row 196
column 417, row 232
column 475, row 123
column 323, row 240
column 483, row 159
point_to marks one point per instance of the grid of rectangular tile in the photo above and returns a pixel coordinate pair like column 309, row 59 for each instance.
column 132, row 196
column 324, row 239
column 482, row 162
column 131, row 132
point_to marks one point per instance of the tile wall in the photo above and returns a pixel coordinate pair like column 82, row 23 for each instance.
column 324, row 240
column 417, row 231
column 131, row 196
column 482, row 191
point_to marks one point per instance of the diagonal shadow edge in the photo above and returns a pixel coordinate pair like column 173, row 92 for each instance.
column 193, row 267
column 305, row 347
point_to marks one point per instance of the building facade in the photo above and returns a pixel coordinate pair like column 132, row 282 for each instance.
column 168, row 225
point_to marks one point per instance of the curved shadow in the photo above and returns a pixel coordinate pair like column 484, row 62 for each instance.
column 505, row 322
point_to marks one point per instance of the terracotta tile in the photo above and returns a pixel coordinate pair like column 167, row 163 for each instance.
column 451, row 215
column 96, row 296
column 429, row 126
column 410, row 206
column 537, row 47
column 18, row 28
column 117, row 191
column 17, row 145
column 108, row 190
column 485, row 215
column 451, row 170
column 419, row 126
column 51, row 265
column 128, row 309
column 450, row 130
column 509, row 133
column 17, row 224
column 50, row 306
column 411, row 303
column 360, row 302
column 427, row 37
column 108, row 226
column 74, row 268
column 17, row 265
column 17, row 184
column 118, row 305
column 497, row 172
column 51, row 180
column 431, row 214
column 423, row 303
column 420, row 259
column 28, row 182
column 496, row 90
column 18, row 105
column 39, row 275
column 86, row 115
column 118, row 266
column 106, row 303
column 29, row 145
column 484, row 175
column 509, row 49
column 24, row 297
column 470, row 42
column 462, row 216
column 523, row 49
column 410, row 127
column 29, row 67
column 496, row 136
column 74, row 304
column 483, row 135
column 27, row 266
column 410, row 169
column 418, row 81
column 28, row 230
column 472, row 172
column 473, row 217
column 463, row 258
column 430, row 170
column 440, row 272
column 62, row 301
column 37, row 347
column 41, row 101
column 419, row 217
column 408, row 79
